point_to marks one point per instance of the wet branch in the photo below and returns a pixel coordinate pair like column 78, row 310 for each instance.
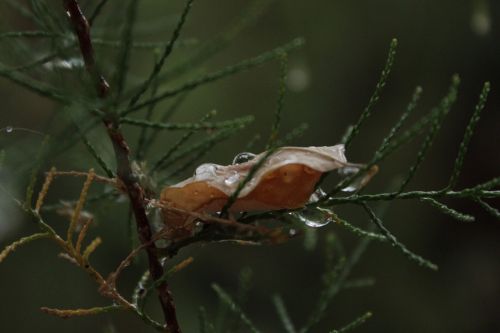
column 125, row 173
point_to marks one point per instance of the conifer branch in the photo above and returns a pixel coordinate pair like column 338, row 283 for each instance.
column 125, row 173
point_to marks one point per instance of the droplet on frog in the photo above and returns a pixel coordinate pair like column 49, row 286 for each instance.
column 9, row 129
column 292, row 232
column 243, row 157
column 232, row 179
column 206, row 170
column 314, row 217
column 317, row 195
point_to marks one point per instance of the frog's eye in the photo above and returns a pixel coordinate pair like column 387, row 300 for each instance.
column 286, row 180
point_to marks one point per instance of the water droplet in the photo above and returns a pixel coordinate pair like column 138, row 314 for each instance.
column 314, row 217
column 9, row 129
column 357, row 183
column 317, row 195
column 232, row 179
column 350, row 188
column 140, row 288
column 243, row 157
column 348, row 171
column 198, row 224
column 204, row 171
column 292, row 232
column 68, row 14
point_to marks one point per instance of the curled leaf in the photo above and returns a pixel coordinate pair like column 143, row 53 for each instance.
column 286, row 180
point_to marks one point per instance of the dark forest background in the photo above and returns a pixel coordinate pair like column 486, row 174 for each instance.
column 330, row 81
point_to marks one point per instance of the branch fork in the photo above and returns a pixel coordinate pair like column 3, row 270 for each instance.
column 125, row 172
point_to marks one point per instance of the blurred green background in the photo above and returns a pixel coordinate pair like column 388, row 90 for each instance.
column 330, row 81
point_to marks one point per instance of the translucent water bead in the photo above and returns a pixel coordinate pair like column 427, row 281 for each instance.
column 314, row 217
column 233, row 178
column 347, row 172
column 243, row 157
column 317, row 195
column 207, row 170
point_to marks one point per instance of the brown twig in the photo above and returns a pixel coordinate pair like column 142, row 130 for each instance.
column 67, row 313
column 82, row 234
column 126, row 262
column 69, row 253
column 125, row 173
column 209, row 219
column 45, row 189
column 97, row 178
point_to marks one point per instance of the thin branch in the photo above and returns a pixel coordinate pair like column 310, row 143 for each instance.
column 376, row 94
column 97, row 11
column 437, row 121
column 283, row 314
column 410, row 255
column 226, row 298
column 97, row 178
column 188, row 126
column 469, row 131
column 79, row 205
column 214, row 76
column 123, row 60
column 166, row 53
column 12, row 247
column 354, row 324
column 449, row 211
column 180, row 142
column 281, row 101
column 125, row 173
column 472, row 192
column 68, row 313
column 45, row 189
column 491, row 210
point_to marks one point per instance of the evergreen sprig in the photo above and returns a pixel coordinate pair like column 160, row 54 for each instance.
column 394, row 242
column 188, row 126
column 354, row 130
column 52, row 27
column 166, row 53
column 469, row 131
column 355, row 323
column 214, row 76
column 227, row 299
column 283, row 314
column 179, row 143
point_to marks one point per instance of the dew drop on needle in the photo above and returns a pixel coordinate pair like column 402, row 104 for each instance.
column 313, row 217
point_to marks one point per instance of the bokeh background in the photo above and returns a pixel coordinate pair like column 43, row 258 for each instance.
column 330, row 81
